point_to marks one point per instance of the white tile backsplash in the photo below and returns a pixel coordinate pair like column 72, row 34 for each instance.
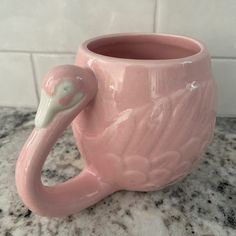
column 61, row 25
column 210, row 21
column 225, row 75
column 51, row 32
column 43, row 63
column 16, row 80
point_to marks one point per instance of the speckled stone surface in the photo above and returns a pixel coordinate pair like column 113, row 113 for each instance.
column 202, row 204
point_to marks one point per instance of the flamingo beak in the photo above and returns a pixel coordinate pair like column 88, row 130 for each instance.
column 46, row 111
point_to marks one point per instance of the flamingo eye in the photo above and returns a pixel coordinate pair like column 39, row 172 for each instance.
column 67, row 89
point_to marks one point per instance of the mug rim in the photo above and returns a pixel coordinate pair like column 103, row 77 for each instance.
column 202, row 53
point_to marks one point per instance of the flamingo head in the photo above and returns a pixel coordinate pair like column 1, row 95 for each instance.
column 64, row 89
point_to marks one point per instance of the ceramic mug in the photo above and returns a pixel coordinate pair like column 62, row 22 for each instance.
column 142, row 108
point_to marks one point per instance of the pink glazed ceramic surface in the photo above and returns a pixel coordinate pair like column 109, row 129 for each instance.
column 142, row 108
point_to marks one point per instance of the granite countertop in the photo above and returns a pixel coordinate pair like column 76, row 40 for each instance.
column 204, row 203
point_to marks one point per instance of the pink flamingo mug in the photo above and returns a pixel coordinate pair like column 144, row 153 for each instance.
column 142, row 108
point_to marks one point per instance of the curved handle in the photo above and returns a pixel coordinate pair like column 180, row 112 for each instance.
column 66, row 91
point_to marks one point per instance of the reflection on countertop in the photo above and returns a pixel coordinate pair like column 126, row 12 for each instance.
column 204, row 203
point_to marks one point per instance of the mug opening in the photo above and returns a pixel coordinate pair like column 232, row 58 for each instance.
column 144, row 47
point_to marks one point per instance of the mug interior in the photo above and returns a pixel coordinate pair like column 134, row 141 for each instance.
column 145, row 47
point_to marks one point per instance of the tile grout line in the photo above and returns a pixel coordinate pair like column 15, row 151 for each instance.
column 34, row 77
column 157, row 16
column 227, row 58
column 154, row 16
column 36, row 52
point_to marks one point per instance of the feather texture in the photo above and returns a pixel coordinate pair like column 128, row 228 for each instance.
column 154, row 145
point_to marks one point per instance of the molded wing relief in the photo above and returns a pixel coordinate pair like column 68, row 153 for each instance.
column 156, row 144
